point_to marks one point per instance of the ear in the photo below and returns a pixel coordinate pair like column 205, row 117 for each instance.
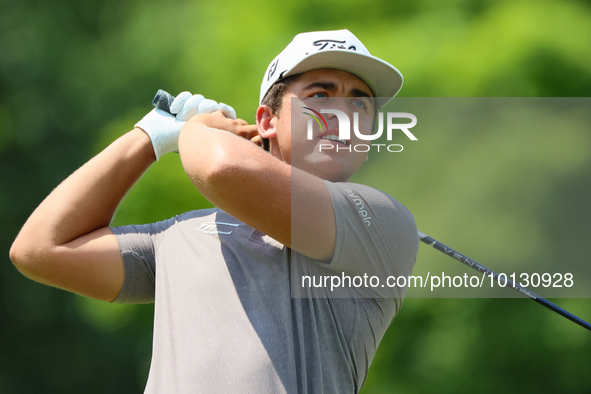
column 266, row 122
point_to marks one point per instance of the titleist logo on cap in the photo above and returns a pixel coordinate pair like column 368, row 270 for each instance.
column 320, row 44
column 333, row 44
column 336, row 49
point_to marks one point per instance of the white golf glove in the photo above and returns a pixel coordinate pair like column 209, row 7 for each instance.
column 164, row 129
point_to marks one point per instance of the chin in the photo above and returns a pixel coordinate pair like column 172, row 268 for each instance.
column 332, row 174
column 333, row 168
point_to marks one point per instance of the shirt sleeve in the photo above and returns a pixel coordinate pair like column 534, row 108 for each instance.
column 375, row 234
column 139, row 261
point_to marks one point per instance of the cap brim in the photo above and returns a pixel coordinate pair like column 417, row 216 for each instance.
column 383, row 78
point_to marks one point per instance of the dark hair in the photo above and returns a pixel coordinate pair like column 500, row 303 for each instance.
column 274, row 99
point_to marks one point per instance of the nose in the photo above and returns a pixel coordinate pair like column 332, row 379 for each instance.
column 343, row 113
column 339, row 103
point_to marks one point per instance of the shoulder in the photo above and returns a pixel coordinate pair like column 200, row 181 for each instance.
column 355, row 190
column 367, row 201
column 367, row 216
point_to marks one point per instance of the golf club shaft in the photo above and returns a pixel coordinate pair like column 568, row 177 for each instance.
column 482, row 269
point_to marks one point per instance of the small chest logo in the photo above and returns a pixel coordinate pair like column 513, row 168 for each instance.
column 217, row 228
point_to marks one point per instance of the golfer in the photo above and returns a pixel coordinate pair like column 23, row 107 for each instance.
column 231, row 312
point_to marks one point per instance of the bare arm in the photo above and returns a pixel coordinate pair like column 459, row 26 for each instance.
column 66, row 242
column 257, row 188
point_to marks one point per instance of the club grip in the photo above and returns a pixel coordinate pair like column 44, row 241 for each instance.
column 163, row 100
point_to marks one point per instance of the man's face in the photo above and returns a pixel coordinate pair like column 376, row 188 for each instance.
column 324, row 89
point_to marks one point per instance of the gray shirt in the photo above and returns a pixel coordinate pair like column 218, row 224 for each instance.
column 231, row 315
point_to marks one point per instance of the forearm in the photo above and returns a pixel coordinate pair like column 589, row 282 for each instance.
column 87, row 199
column 66, row 242
column 260, row 190
column 235, row 175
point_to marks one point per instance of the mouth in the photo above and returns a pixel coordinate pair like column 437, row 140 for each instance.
column 334, row 138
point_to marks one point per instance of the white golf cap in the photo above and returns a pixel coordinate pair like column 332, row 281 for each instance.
column 338, row 49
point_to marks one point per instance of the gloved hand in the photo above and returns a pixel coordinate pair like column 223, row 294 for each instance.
column 164, row 128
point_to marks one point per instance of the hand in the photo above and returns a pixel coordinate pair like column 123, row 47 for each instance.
column 239, row 127
column 164, row 129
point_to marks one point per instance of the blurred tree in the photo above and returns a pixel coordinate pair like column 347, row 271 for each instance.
column 75, row 75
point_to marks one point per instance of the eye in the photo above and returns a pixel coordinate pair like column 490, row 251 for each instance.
column 359, row 103
column 319, row 95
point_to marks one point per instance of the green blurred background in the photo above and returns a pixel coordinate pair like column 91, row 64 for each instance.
column 75, row 75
